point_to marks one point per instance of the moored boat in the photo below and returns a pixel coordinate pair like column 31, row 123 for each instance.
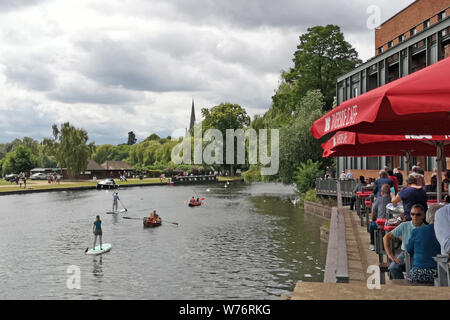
column 151, row 224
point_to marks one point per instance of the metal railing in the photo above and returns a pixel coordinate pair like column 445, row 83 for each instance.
column 336, row 267
column 328, row 187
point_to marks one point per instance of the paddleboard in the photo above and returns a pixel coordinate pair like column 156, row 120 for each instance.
column 113, row 212
column 105, row 248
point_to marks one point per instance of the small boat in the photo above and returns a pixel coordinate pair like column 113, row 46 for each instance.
column 149, row 224
column 195, row 204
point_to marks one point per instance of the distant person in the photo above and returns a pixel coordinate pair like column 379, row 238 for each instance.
column 343, row 176
column 432, row 187
column 349, row 175
column 379, row 212
column 192, row 199
column 419, row 168
column 399, row 176
column 24, row 181
column 97, row 229
column 58, row 178
column 446, row 181
column 358, row 188
column 394, row 180
column 379, row 183
column 115, row 199
column 419, row 177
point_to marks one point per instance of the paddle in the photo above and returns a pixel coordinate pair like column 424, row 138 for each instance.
column 142, row 219
column 123, row 205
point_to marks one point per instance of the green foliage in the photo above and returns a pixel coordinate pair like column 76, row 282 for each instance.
column 21, row 159
column 253, row 174
column 225, row 116
column 322, row 56
column 310, row 195
column 306, row 175
column 69, row 147
column 109, row 152
column 153, row 136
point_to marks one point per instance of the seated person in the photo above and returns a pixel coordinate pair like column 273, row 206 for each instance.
column 403, row 232
column 157, row 217
column 433, row 185
column 423, row 245
column 379, row 212
column 198, row 199
column 358, row 188
column 412, row 194
column 192, row 199
column 152, row 217
column 442, row 227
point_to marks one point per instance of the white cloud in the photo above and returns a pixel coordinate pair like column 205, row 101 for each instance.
column 114, row 66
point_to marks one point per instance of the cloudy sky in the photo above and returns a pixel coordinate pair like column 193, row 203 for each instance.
column 114, row 66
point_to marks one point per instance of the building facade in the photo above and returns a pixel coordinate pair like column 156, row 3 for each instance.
column 414, row 38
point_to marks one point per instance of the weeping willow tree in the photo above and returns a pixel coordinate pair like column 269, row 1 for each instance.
column 70, row 149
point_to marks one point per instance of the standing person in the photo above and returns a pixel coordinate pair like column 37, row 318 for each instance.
column 97, row 229
column 115, row 198
column 24, row 181
column 419, row 168
column 399, row 176
column 349, row 175
column 403, row 232
column 343, row 176
column 446, row 181
column 411, row 195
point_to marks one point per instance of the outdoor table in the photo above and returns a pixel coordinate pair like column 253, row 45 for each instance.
column 361, row 207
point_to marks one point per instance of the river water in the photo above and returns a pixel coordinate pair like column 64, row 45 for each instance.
column 245, row 242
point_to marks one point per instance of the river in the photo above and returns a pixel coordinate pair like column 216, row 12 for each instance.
column 245, row 242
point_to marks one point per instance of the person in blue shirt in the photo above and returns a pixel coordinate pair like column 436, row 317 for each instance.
column 97, row 229
column 411, row 195
column 379, row 183
column 402, row 232
column 423, row 245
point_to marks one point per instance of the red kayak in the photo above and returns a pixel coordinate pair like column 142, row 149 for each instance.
column 195, row 204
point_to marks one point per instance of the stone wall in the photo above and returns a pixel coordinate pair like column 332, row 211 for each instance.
column 317, row 209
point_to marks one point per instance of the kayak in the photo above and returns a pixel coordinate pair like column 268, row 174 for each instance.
column 148, row 224
column 194, row 204
column 105, row 248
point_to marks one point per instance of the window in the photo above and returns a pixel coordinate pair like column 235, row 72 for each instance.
column 413, row 31
column 401, row 38
column 390, row 44
column 441, row 15
column 380, row 50
column 426, row 24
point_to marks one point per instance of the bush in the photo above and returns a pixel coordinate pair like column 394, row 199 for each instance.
column 306, row 175
column 252, row 175
column 311, row 195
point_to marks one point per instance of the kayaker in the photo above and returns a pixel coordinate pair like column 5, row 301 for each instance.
column 97, row 229
column 152, row 216
column 115, row 198
column 192, row 199
column 198, row 199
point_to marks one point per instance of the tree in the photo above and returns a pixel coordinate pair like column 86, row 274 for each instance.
column 322, row 56
column 19, row 160
column 225, row 116
column 153, row 136
column 131, row 138
column 69, row 147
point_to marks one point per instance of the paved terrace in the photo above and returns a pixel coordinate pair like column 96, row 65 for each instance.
column 359, row 258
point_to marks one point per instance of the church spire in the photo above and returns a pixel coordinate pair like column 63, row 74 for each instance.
column 192, row 123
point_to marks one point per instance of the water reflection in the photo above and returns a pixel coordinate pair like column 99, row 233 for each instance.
column 97, row 270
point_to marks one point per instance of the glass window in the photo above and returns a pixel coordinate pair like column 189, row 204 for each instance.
column 413, row 31
column 380, row 50
column 426, row 24
column 390, row 44
column 441, row 15
column 401, row 38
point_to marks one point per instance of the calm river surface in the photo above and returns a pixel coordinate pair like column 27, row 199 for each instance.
column 246, row 242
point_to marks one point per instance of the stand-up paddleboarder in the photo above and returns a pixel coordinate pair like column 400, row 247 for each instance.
column 115, row 198
column 97, row 229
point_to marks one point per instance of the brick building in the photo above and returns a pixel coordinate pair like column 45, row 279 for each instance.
column 414, row 38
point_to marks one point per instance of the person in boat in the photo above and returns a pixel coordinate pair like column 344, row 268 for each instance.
column 192, row 199
column 97, row 229
column 198, row 199
column 154, row 217
column 115, row 198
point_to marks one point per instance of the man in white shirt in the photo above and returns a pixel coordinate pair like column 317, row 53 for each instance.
column 442, row 228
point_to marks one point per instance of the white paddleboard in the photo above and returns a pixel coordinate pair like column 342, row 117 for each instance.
column 113, row 212
column 105, row 248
